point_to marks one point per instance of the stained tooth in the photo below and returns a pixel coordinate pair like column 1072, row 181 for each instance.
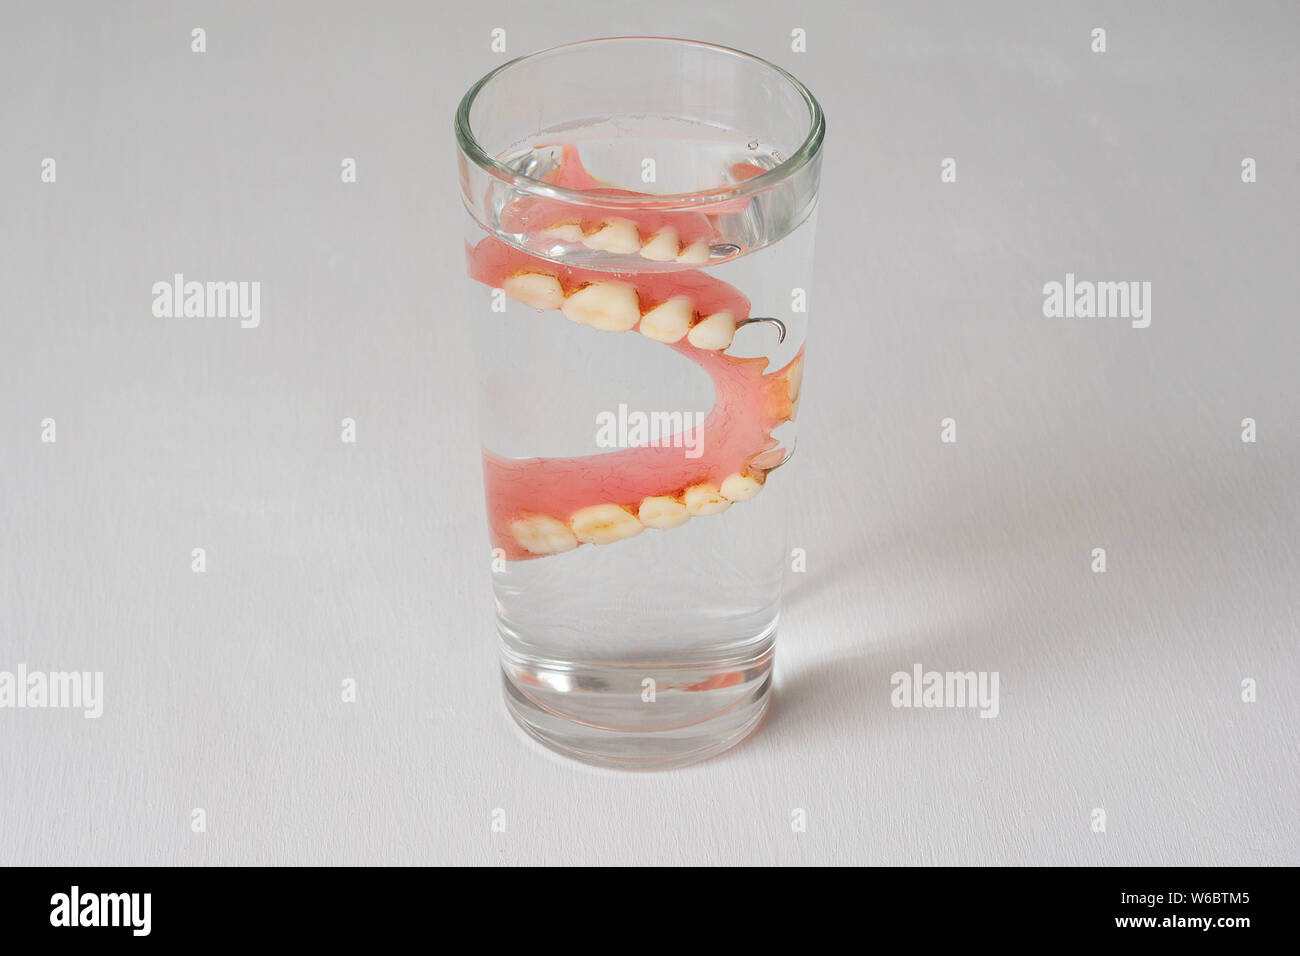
column 714, row 332
column 705, row 500
column 697, row 251
column 608, row 306
column 662, row 247
column 604, row 524
column 542, row 534
column 535, row 289
column 740, row 487
column 567, row 231
column 662, row 511
column 669, row 321
column 617, row 236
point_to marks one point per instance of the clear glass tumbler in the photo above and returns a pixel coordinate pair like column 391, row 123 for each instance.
column 635, row 483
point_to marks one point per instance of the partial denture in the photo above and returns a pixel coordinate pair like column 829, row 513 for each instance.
column 616, row 306
column 684, row 237
column 543, row 506
column 622, row 237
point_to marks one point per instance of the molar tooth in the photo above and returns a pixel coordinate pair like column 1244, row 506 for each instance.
column 566, row 231
column 705, row 500
column 697, row 251
column 604, row 524
column 662, row 511
column 714, row 332
column 608, row 306
column 542, row 534
column 662, row 247
column 740, row 487
column 533, row 288
column 669, row 321
column 615, row 235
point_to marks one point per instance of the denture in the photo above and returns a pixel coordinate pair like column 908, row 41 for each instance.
column 544, row 506
column 659, row 236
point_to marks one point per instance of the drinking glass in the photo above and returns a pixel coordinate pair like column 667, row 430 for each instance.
column 639, row 232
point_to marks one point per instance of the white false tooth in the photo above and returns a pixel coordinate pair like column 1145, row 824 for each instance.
column 661, row 511
column 669, row 321
column 604, row 524
column 705, row 500
column 740, row 487
column 714, row 332
column 696, row 252
column 535, row 289
column 567, row 231
column 615, row 235
column 608, row 306
column 542, row 534
column 663, row 246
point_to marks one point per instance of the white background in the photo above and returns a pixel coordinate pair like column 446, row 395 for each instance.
column 327, row 561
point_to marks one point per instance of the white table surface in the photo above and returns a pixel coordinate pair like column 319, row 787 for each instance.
column 325, row 561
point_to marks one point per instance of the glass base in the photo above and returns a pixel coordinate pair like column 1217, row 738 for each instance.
column 640, row 718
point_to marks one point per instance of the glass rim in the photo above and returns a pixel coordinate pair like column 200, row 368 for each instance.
column 807, row 150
